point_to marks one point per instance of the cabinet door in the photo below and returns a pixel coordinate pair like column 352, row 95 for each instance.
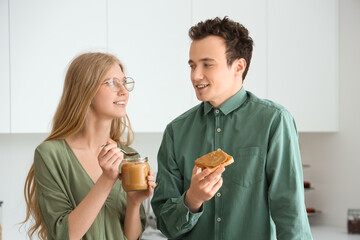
column 45, row 36
column 4, row 69
column 150, row 38
column 303, row 61
column 252, row 14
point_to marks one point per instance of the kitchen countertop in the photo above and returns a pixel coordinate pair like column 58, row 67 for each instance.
column 318, row 232
column 332, row 233
column 152, row 234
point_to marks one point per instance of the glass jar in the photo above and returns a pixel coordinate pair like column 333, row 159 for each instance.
column 1, row 223
column 134, row 174
column 353, row 221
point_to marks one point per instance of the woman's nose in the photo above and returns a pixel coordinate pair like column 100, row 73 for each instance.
column 122, row 90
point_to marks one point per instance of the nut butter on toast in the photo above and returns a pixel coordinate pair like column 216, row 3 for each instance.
column 214, row 160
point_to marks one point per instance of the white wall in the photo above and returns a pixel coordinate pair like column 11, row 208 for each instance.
column 334, row 157
column 16, row 156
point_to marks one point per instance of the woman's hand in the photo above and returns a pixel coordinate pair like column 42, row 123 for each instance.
column 132, row 222
column 109, row 159
column 137, row 197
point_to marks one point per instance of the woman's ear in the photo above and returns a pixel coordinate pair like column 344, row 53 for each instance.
column 239, row 66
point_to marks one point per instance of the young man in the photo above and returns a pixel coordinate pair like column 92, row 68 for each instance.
column 260, row 195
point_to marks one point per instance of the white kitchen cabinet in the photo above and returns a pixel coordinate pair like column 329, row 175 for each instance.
column 4, row 69
column 150, row 38
column 303, row 61
column 253, row 15
column 45, row 36
column 295, row 58
column 294, row 63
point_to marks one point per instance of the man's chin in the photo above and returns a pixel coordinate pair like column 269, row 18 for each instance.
column 201, row 98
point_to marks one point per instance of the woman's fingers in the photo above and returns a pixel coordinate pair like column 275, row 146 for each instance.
column 151, row 180
column 152, row 184
column 112, row 154
column 106, row 147
column 110, row 158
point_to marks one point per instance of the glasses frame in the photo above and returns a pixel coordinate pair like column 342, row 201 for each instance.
column 125, row 82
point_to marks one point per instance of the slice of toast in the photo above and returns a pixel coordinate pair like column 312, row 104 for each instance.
column 214, row 160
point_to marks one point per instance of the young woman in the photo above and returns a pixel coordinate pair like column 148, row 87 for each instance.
column 72, row 189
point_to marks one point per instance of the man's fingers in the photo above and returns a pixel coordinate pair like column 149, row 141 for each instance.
column 214, row 177
column 220, row 170
column 218, row 185
column 204, row 173
column 196, row 170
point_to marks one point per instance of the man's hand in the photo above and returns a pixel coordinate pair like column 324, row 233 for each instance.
column 203, row 187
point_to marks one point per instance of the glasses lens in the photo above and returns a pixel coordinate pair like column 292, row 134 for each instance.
column 129, row 84
column 114, row 84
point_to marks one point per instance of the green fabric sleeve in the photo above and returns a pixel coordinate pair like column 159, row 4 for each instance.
column 173, row 217
column 53, row 203
column 284, row 174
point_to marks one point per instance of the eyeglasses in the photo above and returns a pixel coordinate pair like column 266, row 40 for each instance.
column 115, row 84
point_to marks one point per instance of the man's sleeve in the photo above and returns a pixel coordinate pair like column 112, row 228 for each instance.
column 285, row 178
column 173, row 217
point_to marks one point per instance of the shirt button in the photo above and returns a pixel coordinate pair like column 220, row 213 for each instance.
column 177, row 227
column 217, row 111
column 218, row 219
column 218, row 194
column 218, row 130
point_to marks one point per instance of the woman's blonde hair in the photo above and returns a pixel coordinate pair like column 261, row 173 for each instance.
column 83, row 79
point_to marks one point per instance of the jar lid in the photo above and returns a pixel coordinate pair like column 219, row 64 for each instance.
column 136, row 160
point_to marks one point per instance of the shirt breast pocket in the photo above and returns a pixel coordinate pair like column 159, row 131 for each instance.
column 248, row 166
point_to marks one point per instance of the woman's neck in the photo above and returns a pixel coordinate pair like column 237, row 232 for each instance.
column 92, row 136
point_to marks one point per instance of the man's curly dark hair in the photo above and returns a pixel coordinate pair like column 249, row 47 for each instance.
column 238, row 43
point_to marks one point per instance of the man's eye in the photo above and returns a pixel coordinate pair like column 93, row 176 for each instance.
column 207, row 65
column 192, row 66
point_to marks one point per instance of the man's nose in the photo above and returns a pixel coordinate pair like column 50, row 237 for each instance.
column 197, row 74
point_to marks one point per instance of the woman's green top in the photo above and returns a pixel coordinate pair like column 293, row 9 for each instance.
column 62, row 183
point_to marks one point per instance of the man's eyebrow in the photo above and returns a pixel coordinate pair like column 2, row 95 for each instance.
column 203, row 60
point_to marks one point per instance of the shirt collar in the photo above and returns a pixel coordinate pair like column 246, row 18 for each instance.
column 230, row 105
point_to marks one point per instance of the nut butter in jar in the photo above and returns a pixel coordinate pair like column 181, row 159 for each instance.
column 353, row 221
column 134, row 174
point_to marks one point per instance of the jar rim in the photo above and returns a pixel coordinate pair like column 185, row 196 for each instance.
column 136, row 160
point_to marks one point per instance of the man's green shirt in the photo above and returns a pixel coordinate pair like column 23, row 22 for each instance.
column 262, row 196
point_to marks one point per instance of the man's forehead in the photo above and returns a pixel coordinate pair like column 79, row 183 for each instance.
column 207, row 55
column 210, row 47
